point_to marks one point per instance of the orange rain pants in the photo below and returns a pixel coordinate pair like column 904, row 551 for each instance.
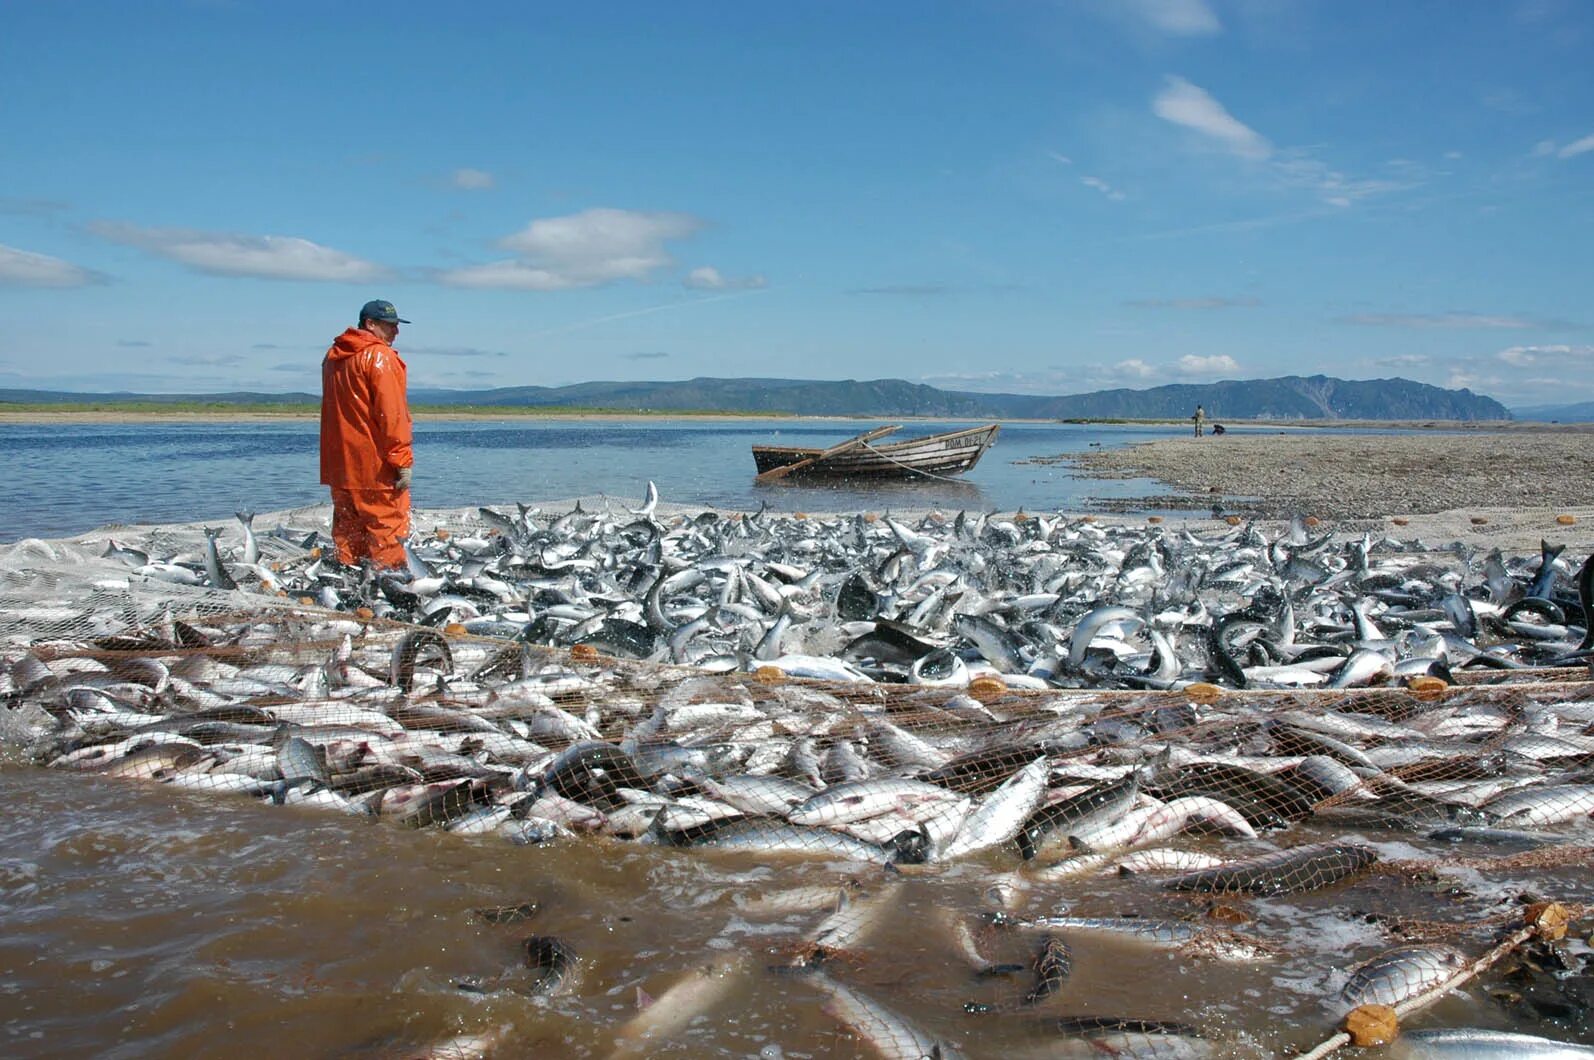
column 371, row 524
column 366, row 437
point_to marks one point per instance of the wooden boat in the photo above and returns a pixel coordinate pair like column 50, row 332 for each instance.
column 935, row 455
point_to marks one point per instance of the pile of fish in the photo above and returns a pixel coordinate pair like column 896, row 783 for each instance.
column 1036, row 601
column 1089, row 750
column 484, row 737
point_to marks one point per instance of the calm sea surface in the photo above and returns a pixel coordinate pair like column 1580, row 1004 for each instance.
column 69, row 478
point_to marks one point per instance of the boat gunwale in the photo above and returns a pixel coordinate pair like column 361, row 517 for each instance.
column 889, row 449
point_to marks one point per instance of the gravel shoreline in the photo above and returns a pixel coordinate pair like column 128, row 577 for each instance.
column 1509, row 486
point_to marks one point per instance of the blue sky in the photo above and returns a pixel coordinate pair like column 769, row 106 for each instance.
column 1017, row 196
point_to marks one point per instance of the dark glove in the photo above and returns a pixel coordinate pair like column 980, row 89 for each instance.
column 402, row 480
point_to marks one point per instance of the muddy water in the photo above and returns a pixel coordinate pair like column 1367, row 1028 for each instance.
column 137, row 921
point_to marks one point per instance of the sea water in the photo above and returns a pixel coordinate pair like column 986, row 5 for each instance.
column 68, row 478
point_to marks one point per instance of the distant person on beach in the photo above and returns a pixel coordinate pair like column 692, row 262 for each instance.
column 366, row 434
column 1200, row 418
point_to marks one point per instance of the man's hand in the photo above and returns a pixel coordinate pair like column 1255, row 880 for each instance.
column 402, row 482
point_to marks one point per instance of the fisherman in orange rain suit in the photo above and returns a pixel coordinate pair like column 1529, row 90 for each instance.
column 366, row 435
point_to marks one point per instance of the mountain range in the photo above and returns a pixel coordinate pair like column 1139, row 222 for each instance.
column 1315, row 397
column 1582, row 412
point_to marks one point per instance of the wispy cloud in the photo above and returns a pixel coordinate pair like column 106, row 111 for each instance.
column 32, row 207
column 1578, row 358
column 233, row 254
column 1179, row 18
column 1247, row 225
column 203, row 360
column 1102, row 186
column 645, row 356
column 1193, row 303
column 912, row 290
column 586, row 249
column 1051, row 381
column 132, row 344
column 1297, row 168
column 452, row 351
column 1192, row 107
column 472, row 179
column 708, row 278
column 1440, row 320
column 1515, row 375
column 1577, row 147
column 665, row 307
column 1134, row 372
column 1403, row 360
column 1138, row 371
column 23, row 268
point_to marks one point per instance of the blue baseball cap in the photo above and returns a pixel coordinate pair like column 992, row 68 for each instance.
column 380, row 310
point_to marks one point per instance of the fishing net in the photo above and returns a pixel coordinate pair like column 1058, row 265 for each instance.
column 1209, row 744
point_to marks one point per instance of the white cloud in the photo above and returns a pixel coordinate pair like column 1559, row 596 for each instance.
column 708, row 278
column 509, row 276
column 1059, row 158
column 1543, row 148
column 1440, row 320
column 230, row 254
column 585, row 249
column 1135, row 368
column 1102, row 186
column 1180, row 18
column 1577, row 147
column 1217, row 364
column 1572, row 357
column 23, row 268
column 1190, row 106
column 472, row 179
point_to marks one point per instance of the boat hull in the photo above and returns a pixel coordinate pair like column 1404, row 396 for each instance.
column 937, row 454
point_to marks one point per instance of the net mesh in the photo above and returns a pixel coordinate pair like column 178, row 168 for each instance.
column 1212, row 719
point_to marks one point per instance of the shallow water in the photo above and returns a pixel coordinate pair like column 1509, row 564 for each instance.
column 137, row 920
column 69, row 478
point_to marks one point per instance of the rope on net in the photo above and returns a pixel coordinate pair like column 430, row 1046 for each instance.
column 1370, row 1025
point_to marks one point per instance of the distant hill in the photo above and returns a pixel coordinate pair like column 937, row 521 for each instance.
column 1290, row 398
column 70, row 397
column 1583, row 412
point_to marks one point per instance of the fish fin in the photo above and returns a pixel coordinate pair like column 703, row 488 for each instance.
column 643, row 999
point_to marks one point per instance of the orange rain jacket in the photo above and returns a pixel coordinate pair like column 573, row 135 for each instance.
column 366, row 432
